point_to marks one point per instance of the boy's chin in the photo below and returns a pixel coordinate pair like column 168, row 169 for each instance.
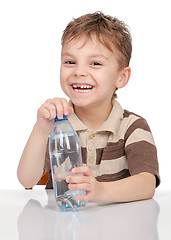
column 81, row 103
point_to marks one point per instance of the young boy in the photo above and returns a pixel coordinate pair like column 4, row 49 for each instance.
column 119, row 155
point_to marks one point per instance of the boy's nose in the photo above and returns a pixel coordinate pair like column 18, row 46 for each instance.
column 80, row 72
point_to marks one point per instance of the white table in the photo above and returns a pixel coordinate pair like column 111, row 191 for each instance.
column 33, row 214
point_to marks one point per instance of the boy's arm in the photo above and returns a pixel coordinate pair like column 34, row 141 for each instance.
column 133, row 188
column 30, row 168
column 136, row 187
column 31, row 164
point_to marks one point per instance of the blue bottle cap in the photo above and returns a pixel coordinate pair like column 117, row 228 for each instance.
column 64, row 118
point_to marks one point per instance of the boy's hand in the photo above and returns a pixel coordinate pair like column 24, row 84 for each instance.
column 47, row 112
column 87, row 182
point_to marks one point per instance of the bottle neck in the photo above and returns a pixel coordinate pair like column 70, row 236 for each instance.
column 58, row 120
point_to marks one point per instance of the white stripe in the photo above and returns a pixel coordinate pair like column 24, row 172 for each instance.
column 110, row 166
column 140, row 135
column 128, row 121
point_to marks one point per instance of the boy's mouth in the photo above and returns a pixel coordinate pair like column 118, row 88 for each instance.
column 82, row 87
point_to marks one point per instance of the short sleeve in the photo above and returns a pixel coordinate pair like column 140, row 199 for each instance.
column 140, row 149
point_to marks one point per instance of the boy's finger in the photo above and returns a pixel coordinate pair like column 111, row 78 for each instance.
column 52, row 110
column 57, row 106
column 83, row 198
column 46, row 113
column 77, row 179
column 61, row 107
column 80, row 186
column 59, row 110
column 66, row 107
column 84, row 170
column 43, row 112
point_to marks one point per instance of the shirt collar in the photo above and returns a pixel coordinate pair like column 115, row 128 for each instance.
column 77, row 123
column 114, row 119
column 111, row 124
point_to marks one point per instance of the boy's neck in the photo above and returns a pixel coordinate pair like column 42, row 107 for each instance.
column 93, row 118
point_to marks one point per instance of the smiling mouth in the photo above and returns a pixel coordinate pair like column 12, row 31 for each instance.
column 82, row 88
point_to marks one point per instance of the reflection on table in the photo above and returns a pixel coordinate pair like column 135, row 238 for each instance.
column 135, row 220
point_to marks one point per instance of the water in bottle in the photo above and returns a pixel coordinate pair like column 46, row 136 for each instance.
column 65, row 154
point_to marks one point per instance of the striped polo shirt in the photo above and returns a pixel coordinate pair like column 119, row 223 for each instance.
column 121, row 147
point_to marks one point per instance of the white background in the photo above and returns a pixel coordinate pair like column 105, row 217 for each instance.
column 30, row 33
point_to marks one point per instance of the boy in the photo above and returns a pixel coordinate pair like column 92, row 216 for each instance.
column 119, row 155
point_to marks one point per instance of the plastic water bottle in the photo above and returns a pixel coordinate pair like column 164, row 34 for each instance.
column 65, row 154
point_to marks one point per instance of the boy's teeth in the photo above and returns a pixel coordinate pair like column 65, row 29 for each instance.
column 82, row 86
column 78, row 90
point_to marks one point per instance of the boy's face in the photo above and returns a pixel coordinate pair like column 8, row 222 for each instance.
column 89, row 72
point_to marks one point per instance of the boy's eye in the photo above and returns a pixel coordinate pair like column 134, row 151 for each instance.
column 70, row 62
column 96, row 64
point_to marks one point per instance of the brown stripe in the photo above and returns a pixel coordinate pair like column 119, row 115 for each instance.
column 139, row 123
column 113, row 177
column 126, row 114
column 142, row 157
column 84, row 154
column 113, row 150
column 99, row 153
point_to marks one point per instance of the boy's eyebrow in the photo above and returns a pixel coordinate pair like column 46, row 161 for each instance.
column 98, row 55
column 91, row 56
column 67, row 54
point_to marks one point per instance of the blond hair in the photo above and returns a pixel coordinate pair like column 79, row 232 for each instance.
column 109, row 31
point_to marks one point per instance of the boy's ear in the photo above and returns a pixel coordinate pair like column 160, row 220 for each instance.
column 124, row 77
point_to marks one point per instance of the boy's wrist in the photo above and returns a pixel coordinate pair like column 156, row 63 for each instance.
column 106, row 192
column 103, row 192
column 40, row 130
